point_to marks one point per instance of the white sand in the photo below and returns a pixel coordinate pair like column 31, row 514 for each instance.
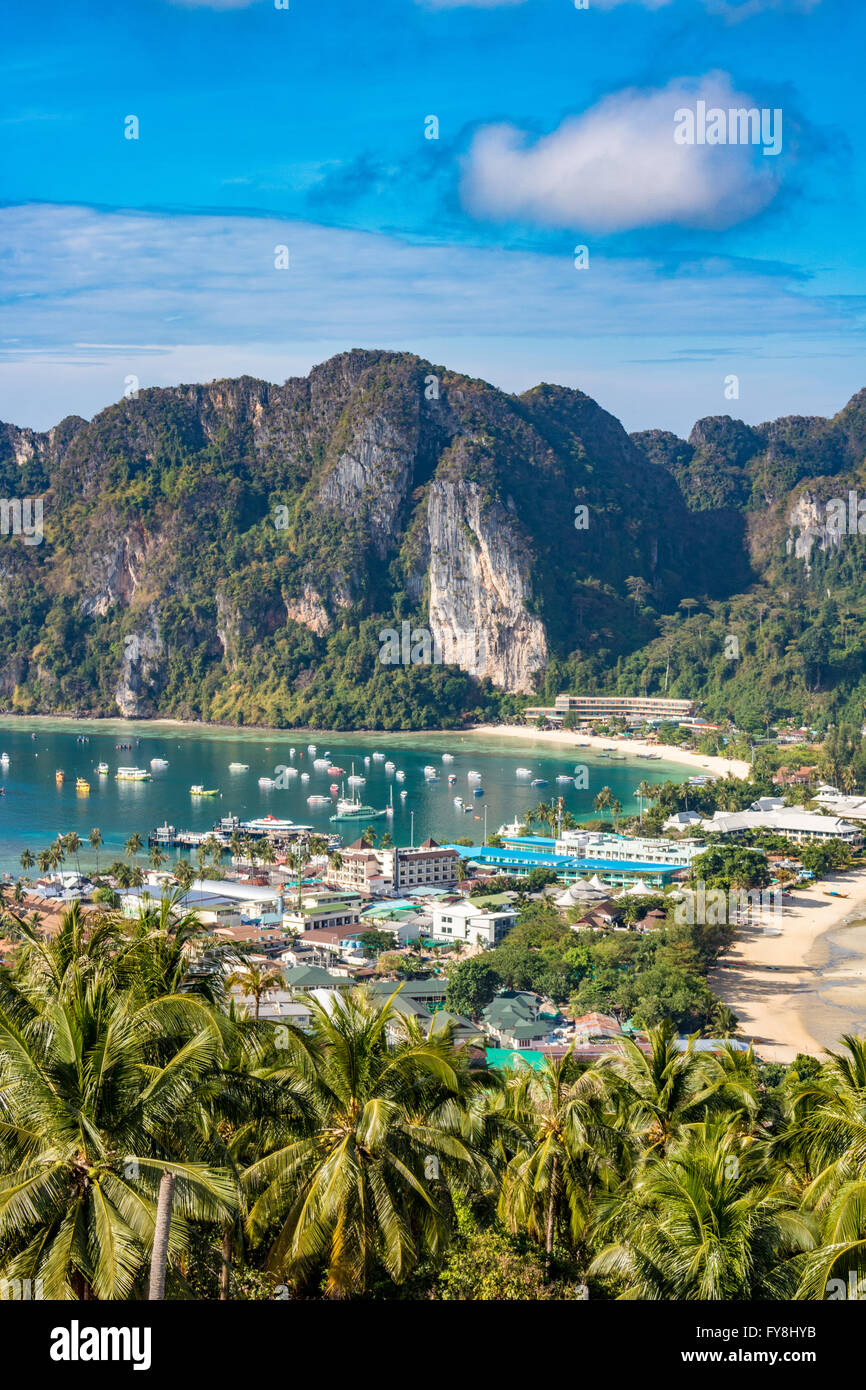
column 570, row 739
column 766, row 979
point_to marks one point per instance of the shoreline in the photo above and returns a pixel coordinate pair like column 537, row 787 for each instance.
column 566, row 738
column 570, row 739
column 768, row 980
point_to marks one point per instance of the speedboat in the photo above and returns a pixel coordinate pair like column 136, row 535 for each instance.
column 291, row 752
column 447, row 757
column 336, row 771
column 311, row 747
column 452, row 778
column 523, row 772
column 318, row 800
column 400, row 775
column 429, row 768
column 473, row 776
column 81, row 785
column 4, row 759
column 367, row 761
column 389, row 766
column 564, row 778
column 404, row 792
column 356, row 781
column 321, row 762
column 102, row 769
column 266, row 781
column 458, row 801
column 378, row 757
column 334, row 787
column 239, row 767
column 159, row 762
column 305, row 776
column 538, row 782
column 59, row 775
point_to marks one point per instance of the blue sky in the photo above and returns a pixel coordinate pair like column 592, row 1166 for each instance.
column 262, row 127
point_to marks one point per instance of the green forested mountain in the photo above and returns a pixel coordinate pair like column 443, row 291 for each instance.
column 232, row 551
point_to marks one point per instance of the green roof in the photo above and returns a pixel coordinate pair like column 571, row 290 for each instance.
column 413, row 988
column 313, row 977
column 529, row 1030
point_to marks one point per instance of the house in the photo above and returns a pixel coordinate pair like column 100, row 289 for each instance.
column 682, row 820
column 302, row 978
column 323, row 908
column 595, row 1025
column 463, row 921
column 513, row 1018
column 794, row 777
column 430, row 992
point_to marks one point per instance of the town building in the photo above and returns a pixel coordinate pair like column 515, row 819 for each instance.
column 635, row 708
column 463, row 921
column 395, row 869
column 795, row 824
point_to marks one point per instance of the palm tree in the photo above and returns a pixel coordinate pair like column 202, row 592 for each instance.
column 644, row 793
column 95, row 838
column 296, row 859
column 26, row 860
column 667, row 1088
column 709, row 1220
column 603, row 800
column 572, row 1147
column 43, row 859
column 354, row 1186
column 85, row 1146
column 157, row 858
column 255, row 981
column 184, row 874
column 134, row 845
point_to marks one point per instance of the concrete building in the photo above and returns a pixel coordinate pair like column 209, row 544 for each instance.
column 636, row 708
column 395, row 869
column 799, row 826
column 461, row 921
column 585, row 844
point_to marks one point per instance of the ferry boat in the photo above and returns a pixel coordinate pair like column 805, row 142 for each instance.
column 197, row 790
column 239, row 767
column 81, row 785
column 356, row 810
column 266, row 781
column 132, row 774
column 102, row 769
column 159, row 762
column 59, row 776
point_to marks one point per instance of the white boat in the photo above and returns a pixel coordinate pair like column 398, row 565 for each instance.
column 389, row 766
column 159, row 762
column 367, row 762
column 458, row 801
column 102, row 769
column 311, row 747
column 523, row 772
column 404, row 792
column 378, row 757
column 429, row 768
column 291, row 752
column 132, row 774
column 356, row 781
column 305, row 776
column 400, row 775
column 318, row 800
column 4, row 759
column 292, row 772
column 452, row 778
column 563, row 778
column 447, row 757
column 321, row 762
column 266, row 781
column 239, row 767
column 473, row 776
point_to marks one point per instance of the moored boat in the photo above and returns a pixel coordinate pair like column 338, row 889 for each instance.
column 159, row 762
column 132, row 774
column 102, row 769
column 81, row 785
column 197, row 790
column 239, row 767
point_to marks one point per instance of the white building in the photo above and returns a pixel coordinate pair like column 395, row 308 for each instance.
column 585, row 844
column 851, row 807
column 799, row 826
column 464, row 922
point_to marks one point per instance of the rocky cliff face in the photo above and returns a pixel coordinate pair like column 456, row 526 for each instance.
column 166, row 586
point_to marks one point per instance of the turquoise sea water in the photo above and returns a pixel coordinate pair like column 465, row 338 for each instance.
column 34, row 809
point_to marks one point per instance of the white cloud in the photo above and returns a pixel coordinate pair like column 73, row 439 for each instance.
column 89, row 297
column 617, row 167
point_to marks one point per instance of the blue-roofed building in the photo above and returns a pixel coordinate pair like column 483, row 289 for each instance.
column 618, row 873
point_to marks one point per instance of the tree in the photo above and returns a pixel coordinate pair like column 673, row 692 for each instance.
column 26, row 860
column 95, row 838
column 255, row 981
column 471, row 985
column 184, row 874
column 355, row 1189
column 373, row 941
column 134, row 845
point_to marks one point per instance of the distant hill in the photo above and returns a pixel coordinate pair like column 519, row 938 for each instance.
column 232, row 551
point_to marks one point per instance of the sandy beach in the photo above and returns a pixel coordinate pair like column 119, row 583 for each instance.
column 769, row 980
column 568, row 738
